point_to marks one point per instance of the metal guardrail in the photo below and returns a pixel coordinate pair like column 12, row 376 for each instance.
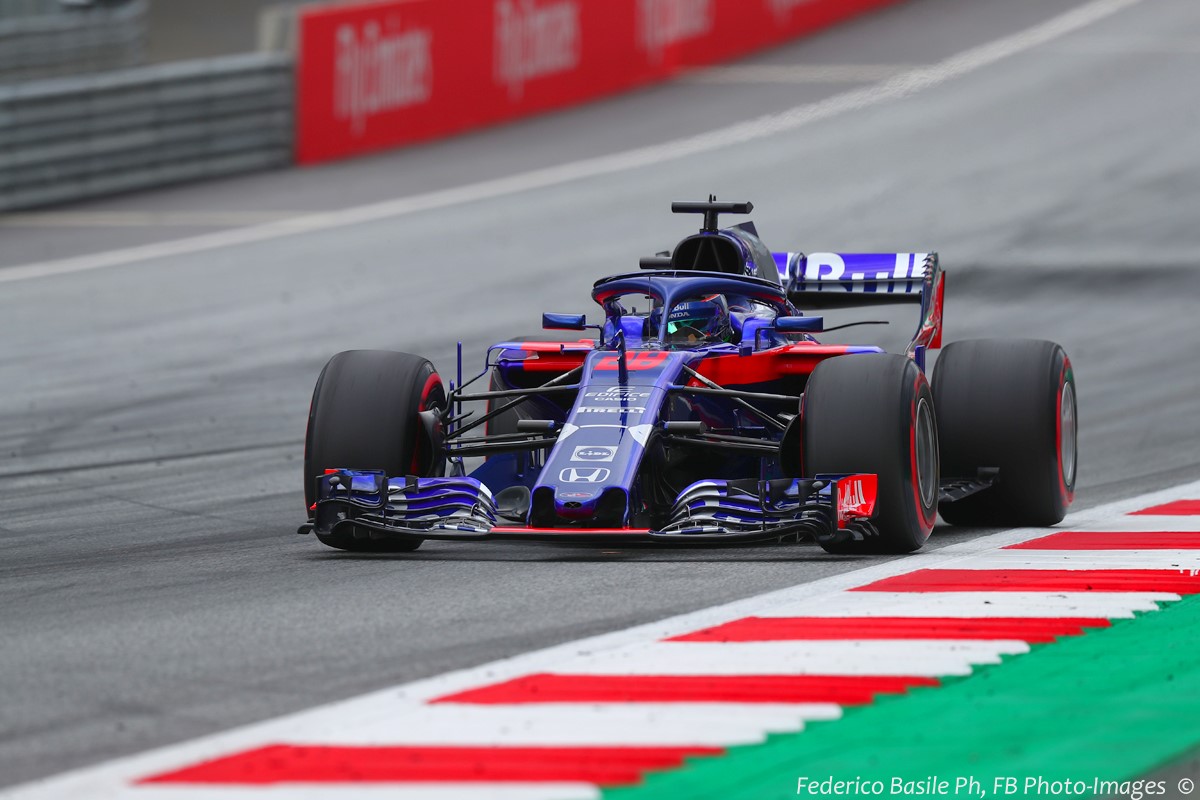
column 44, row 38
column 71, row 138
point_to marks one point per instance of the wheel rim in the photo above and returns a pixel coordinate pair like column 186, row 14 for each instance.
column 433, row 396
column 1067, row 445
column 927, row 455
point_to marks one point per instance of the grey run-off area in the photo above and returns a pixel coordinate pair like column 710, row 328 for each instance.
column 152, row 416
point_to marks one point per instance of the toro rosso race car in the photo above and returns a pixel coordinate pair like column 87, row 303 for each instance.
column 705, row 408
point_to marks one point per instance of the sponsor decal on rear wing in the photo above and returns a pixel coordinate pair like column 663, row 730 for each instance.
column 831, row 280
column 818, row 279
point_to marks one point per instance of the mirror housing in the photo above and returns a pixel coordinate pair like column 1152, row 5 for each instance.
column 564, row 322
column 800, row 324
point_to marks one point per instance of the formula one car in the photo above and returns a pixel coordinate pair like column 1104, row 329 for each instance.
column 703, row 410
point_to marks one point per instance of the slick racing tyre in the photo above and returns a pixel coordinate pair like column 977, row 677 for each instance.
column 875, row 414
column 364, row 416
column 1007, row 405
column 506, row 421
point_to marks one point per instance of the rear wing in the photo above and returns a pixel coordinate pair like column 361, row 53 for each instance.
column 841, row 280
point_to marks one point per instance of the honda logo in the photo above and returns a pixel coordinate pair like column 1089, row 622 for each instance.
column 580, row 475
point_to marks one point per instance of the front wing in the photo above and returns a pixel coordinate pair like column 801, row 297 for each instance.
column 830, row 509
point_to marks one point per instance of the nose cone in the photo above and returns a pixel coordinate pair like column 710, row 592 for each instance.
column 595, row 507
column 574, row 503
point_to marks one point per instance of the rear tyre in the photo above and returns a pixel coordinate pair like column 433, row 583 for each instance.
column 875, row 413
column 1008, row 405
column 506, row 421
column 364, row 416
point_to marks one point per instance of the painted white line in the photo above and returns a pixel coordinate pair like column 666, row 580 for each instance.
column 1086, row 559
column 902, row 657
column 897, row 88
column 576, row 724
column 1144, row 524
column 1091, row 605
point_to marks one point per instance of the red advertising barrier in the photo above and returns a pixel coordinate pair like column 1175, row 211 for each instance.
column 383, row 74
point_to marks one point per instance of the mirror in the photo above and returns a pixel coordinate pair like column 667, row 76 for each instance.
column 564, row 322
column 800, row 324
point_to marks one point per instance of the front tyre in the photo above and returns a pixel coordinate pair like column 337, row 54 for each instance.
column 1009, row 405
column 874, row 413
column 364, row 415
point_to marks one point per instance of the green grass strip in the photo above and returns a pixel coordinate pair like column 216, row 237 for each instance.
column 1111, row 705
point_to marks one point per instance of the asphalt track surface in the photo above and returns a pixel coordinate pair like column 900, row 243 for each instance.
column 152, row 415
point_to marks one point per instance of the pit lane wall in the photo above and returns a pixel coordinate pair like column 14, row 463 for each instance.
column 380, row 75
column 365, row 77
column 91, row 135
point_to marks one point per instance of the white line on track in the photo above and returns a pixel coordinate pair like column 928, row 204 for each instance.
column 1086, row 559
column 1139, row 523
column 899, row 658
column 567, row 724
column 1090, row 605
column 896, row 88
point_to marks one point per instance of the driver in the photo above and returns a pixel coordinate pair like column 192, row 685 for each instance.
column 701, row 321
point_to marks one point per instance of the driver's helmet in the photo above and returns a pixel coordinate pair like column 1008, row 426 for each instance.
column 699, row 321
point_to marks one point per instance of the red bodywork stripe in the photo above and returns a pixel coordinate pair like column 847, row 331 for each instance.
column 557, row 363
column 936, row 318
column 780, row 629
column 735, row 370
column 281, row 763
column 1039, row 580
column 1148, row 540
column 768, row 365
column 1180, row 508
column 548, row 688
column 584, row 346
column 552, row 357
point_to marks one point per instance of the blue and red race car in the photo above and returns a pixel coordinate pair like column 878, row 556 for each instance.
column 705, row 409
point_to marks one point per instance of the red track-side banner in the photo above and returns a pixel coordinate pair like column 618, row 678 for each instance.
column 384, row 74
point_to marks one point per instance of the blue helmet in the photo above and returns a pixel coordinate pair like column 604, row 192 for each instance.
column 699, row 321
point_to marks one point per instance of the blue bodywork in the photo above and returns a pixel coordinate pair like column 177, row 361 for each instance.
column 638, row 436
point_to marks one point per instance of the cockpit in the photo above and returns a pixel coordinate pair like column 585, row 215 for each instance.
column 706, row 318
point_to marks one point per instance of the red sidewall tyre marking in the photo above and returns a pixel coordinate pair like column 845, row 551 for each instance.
column 1067, row 492
column 928, row 516
column 432, row 382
